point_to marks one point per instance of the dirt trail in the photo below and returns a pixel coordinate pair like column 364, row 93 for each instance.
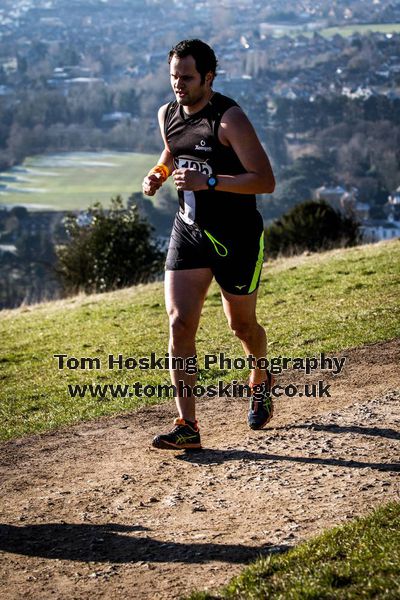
column 92, row 511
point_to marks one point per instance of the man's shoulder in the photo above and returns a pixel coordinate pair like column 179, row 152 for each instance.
column 164, row 113
column 165, row 107
column 222, row 102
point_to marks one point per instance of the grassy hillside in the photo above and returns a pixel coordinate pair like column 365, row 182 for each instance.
column 308, row 304
column 359, row 560
column 74, row 180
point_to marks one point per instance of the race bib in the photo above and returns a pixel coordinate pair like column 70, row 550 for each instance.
column 194, row 164
column 187, row 199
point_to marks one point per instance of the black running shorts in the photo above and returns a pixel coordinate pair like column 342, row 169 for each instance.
column 235, row 255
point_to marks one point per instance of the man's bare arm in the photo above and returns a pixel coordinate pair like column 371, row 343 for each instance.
column 236, row 131
column 166, row 156
column 153, row 181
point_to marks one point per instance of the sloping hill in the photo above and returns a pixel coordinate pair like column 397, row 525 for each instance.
column 308, row 304
column 92, row 511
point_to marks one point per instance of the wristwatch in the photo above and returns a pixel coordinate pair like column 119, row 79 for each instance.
column 212, row 182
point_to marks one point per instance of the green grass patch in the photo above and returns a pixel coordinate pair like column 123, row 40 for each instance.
column 74, row 180
column 279, row 30
column 358, row 560
column 308, row 304
column 349, row 30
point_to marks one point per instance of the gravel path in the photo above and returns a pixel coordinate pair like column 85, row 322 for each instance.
column 92, row 511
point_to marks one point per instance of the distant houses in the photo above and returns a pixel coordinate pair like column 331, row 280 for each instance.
column 67, row 76
column 115, row 117
column 373, row 230
column 18, row 220
column 389, row 228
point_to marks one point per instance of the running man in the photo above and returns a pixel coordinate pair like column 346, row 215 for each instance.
column 218, row 165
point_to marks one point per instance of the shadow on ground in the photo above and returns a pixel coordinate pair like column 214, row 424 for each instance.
column 207, row 456
column 333, row 428
column 114, row 543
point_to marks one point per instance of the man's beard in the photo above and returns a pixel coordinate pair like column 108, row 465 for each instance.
column 189, row 101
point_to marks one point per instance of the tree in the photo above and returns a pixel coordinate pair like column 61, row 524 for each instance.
column 108, row 250
column 290, row 191
column 311, row 226
column 312, row 169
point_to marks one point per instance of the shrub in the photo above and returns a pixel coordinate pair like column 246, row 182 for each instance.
column 311, row 226
column 108, row 249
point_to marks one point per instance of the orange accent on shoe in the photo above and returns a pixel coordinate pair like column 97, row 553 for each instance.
column 181, row 421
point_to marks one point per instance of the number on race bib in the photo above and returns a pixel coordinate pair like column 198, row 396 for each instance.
column 195, row 165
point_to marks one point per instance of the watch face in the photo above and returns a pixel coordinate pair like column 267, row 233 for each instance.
column 212, row 181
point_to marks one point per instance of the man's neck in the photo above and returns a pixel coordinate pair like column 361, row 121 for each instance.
column 190, row 110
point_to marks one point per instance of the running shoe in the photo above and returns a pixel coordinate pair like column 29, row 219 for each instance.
column 183, row 436
column 261, row 405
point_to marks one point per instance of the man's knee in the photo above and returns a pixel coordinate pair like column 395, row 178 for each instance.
column 243, row 329
column 180, row 327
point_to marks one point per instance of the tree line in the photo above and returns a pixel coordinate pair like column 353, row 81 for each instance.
column 48, row 121
column 108, row 249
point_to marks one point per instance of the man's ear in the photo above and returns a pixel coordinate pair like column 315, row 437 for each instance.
column 209, row 77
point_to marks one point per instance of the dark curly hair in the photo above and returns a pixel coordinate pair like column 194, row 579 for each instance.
column 203, row 55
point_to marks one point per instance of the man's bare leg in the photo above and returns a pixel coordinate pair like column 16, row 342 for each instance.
column 185, row 292
column 241, row 314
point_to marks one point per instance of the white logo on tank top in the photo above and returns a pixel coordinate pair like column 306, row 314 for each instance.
column 202, row 146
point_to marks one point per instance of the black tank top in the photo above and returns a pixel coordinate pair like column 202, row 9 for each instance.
column 194, row 144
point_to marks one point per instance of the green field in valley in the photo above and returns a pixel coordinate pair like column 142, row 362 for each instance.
column 344, row 31
column 350, row 29
column 73, row 181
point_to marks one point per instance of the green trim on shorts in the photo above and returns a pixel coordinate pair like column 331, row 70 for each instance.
column 259, row 264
